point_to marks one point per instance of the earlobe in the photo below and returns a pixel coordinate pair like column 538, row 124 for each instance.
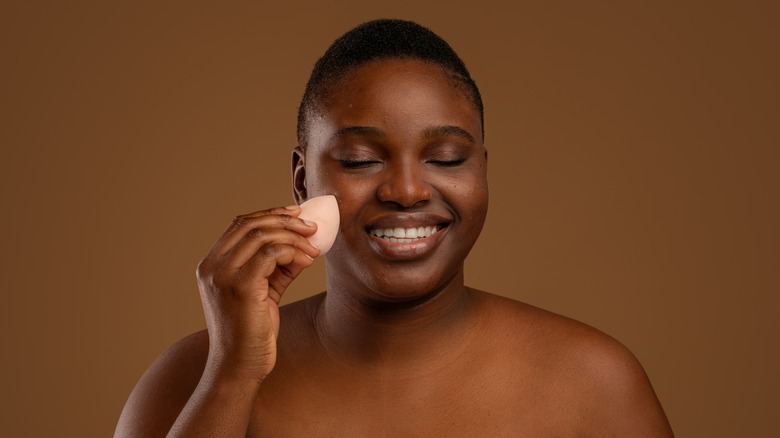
column 299, row 175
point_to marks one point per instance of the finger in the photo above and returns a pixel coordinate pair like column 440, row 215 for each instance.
column 280, row 218
column 256, row 239
column 253, row 276
column 284, row 275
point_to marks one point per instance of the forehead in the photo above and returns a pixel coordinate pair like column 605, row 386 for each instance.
column 396, row 94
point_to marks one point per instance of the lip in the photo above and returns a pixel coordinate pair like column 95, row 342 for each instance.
column 408, row 220
column 417, row 249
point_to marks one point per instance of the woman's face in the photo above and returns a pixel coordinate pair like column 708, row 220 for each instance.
column 399, row 145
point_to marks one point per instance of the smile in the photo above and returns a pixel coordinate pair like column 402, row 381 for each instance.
column 404, row 235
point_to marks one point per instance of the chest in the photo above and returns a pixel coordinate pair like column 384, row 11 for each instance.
column 368, row 411
column 451, row 402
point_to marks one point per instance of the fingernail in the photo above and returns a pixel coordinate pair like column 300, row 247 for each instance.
column 309, row 223
column 292, row 207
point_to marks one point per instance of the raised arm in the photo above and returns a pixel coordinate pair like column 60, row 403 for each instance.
column 206, row 384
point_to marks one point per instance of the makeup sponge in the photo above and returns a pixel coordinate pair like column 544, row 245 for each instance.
column 324, row 211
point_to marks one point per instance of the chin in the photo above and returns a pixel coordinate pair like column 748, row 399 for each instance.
column 378, row 280
column 408, row 288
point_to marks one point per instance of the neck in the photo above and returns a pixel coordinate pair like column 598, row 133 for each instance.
column 362, row 331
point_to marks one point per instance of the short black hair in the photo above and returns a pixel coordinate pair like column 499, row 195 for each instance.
column 378, row 40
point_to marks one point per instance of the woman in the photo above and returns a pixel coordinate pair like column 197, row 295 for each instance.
column 391, row 124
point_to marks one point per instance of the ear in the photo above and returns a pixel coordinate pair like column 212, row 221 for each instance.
column 299, row 175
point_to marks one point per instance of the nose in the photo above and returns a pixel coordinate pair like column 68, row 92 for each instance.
column 404, row 184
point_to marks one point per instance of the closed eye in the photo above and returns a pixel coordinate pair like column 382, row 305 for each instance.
column 448, row 163
column 357, row 164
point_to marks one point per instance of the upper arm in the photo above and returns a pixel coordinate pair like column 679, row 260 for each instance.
column 164, row 389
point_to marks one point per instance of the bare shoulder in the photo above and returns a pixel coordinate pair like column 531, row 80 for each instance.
column 548, row 333
column 165, row 388
column 596, row 379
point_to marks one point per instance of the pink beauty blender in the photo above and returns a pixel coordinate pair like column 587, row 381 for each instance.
column 324, row 211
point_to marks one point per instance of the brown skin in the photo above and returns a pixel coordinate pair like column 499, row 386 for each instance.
column 398, row 346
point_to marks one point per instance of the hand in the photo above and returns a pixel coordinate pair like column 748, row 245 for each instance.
column 241, row 281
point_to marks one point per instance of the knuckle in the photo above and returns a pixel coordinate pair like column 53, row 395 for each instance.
column 256, row 233
column 203, row 268
column 220, row 278
column 209, row 274
column 238, row 221
column 270, row 251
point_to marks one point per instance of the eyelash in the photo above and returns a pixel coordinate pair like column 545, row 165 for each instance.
column 448, row 163
column 356, row 164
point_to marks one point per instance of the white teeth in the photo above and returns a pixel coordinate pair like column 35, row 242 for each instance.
column 403, row 234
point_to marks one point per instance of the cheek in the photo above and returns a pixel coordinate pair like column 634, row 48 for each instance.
column 472, row 206
column 352, row 194
column 318, row 180
column 477, row 199
column 470, row 193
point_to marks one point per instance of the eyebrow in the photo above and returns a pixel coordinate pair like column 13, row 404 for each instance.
column 429, row 133
column 447, row 131
column 364, row 131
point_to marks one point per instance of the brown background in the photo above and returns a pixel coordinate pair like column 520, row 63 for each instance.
column 633, row 169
